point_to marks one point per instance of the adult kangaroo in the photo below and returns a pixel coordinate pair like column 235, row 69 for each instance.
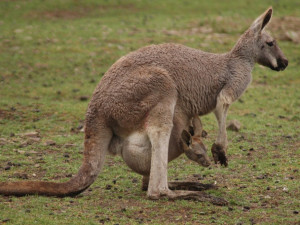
column 139, row 95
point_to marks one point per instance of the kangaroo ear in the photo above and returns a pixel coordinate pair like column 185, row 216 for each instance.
column 259, row 24
column 186, row 138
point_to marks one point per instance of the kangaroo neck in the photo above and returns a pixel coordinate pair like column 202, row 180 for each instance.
column 244, row 52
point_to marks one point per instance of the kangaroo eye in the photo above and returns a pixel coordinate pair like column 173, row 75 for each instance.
column 270, row 43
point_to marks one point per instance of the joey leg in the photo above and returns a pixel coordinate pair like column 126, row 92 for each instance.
column 145, row 183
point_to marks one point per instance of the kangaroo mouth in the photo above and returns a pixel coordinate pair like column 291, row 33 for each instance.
column 282, row 64
column 278, row 68
column 275, row 68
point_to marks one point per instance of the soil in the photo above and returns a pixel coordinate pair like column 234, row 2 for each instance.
column 76, row 13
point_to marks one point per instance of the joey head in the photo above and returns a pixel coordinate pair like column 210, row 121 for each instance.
column 194, row 148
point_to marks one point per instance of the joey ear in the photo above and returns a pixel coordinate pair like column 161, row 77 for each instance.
column 259, row 24
column 186, row 138
column 191, row 130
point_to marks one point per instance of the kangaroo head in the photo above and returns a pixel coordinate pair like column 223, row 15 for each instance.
column 266, row 50
column 194, row 148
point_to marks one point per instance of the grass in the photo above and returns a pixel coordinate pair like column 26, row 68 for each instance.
column 52, row 55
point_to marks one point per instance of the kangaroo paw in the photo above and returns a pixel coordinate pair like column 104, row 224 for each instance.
column 219, row 154
column 193, row 196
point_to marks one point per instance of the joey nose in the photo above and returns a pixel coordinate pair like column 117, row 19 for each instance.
column 206, row 162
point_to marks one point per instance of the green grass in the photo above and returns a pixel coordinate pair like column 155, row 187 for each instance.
column 54, row 52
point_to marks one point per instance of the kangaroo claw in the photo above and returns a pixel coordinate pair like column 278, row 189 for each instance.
column 219, row 154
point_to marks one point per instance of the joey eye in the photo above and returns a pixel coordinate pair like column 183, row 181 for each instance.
column 271, row 43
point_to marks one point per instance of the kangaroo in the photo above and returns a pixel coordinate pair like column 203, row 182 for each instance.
column 139, row 95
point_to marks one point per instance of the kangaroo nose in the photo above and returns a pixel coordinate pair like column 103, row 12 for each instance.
column 282, row 63
column 285, row 62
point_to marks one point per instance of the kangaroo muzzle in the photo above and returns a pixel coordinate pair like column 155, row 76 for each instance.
column 282, row 64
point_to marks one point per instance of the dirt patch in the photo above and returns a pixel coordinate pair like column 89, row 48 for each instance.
column 285, row 23
column 189, row 31
column 287, row 28
column 5, row 114
column 78, row 12
column 10, row 114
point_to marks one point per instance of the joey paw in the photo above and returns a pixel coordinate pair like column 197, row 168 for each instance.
column 219, row 154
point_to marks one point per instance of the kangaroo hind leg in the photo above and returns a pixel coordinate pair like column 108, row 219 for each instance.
column 159, row 127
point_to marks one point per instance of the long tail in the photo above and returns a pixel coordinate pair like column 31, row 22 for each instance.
column 97, row 139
